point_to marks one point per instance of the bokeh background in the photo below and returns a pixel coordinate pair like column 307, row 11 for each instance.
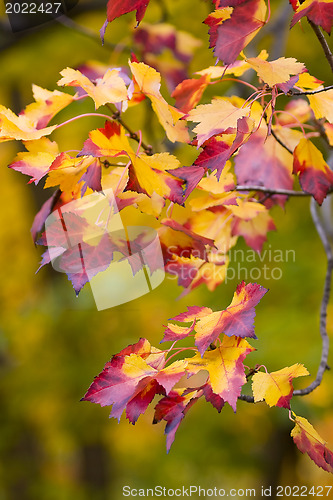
column 52, row 344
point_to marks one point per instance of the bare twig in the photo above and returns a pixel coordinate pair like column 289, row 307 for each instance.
column 133, row 135
column 309, row 92
column 280, row 142
column 323, row 42
column 263, row 189
column 83, row 30
column 324, row 303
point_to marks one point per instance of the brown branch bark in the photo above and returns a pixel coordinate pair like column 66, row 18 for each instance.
column 323, row 42
column 263, row 189
column 323, row 310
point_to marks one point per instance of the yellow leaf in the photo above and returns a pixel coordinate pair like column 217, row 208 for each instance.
column 148, row 81
column 215, row 118
column 278, row 71
column 110, row 88
column 276, row 387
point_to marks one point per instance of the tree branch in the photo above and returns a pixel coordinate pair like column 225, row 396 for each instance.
column 83, row 30
column 133, row 135
column 263, row 189
column 323, row 42
column 309, row 92
column 324, row 303
column 280, row 142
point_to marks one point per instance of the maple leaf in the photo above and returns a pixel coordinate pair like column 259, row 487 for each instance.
column 131, row 379
column 237, row 319
column 263, row 162
column 21, row 127
column 189, row 92
column 225, row 367
column 43, row 214
column 322, row 104
column 111, row 88
column 148, row 82
column 254, row 231
column 172, row 409
column 320, row 12
column 231, row 31
column 276, row 388
column 217, row 117
column 315, row 176
column 276, row 72
column 238, row 68
column 67, row 173
column 36, row 162
column 309, row 441
column 147, row 174
column 216, row 152
column 117, row 8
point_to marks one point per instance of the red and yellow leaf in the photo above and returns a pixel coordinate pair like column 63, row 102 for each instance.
column 315, row 176
column 225, row 367
column 231, row 31
column 320, row 12
column 110, row 88
column 308, row 441
column 276, row 388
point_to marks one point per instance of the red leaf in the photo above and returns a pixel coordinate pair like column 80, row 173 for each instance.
column 117, row 8
column 231, row 36
column 173, row 409
column 320, row 12
column 263, row 162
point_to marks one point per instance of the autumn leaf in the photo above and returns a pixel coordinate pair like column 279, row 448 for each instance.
column 21, row 127
column 37, row 160
column 225, row 367
column 276, row 388
column 147, row 174
column 231, row 31
column 276, row 72
column 322, row 104
column 308, row 441
column 67, row 173
column 189, row 92
column 315, row 176
column 320, row 12
column 254, row 231
column 148, row 81
column 214, row 118
column 237, row 319
column 172, row 409
column 216, row 152
column 117, row 8
column 131, row 381
column 110, row 88
column 262, row 161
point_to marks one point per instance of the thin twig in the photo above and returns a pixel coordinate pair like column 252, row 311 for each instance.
column 323, row 42
column 309, row 92
column 133, row 135
column 280, row 142
column 83, row 30
column 324, row 303
column 263, row 189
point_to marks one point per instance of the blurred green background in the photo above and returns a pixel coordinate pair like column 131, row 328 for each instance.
column 52, row 344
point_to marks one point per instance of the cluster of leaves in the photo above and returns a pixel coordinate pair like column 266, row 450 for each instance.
column 139, row 372
column 248, row 145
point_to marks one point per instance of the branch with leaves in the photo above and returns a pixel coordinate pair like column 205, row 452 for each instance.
column 247, row 146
